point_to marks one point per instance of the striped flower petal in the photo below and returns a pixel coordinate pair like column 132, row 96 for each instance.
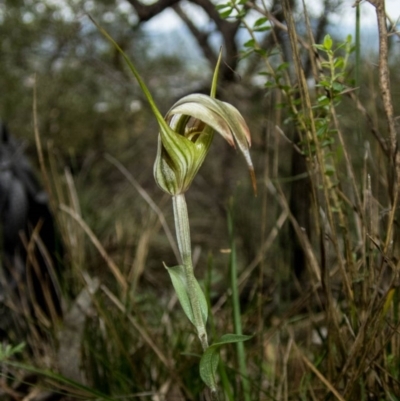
column 220, row 116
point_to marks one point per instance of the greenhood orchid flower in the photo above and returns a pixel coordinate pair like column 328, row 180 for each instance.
column 183, row 146
column 187, row 131
column 185, row 137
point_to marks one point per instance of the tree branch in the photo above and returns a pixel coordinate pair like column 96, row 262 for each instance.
column 147, row 11
column 200, row 36
column 228, row 30
column 384, row 77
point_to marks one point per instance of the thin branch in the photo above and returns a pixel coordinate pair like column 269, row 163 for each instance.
column 111, row 264
column 372, row 126
column 228, row 30
column 384, row 77
column 148, row 199
column 200, row 36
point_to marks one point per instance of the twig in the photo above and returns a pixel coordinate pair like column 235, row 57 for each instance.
column 111, row 264
column 320, row 376
column 384, row 76
column 148, row 199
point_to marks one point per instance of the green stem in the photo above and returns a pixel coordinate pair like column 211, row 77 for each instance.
column 184, row 245
column 236, row 308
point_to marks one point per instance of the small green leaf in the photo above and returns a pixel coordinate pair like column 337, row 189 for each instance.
column 6, row 351
column 260, row 25
column 323, row 101
column 260, row 21
column 250, row 43
column 261, row 52
column 178, row 278
column 203, row 302
column 222, row 6
column 338, row 87
column 208, row 367
column 325, row 83
column 209, row 360
column 339, row 62
column 320, row 47
column 283, row 66
column 225, row 14
column 179, row 282
column 328, row 42
column 231, row 338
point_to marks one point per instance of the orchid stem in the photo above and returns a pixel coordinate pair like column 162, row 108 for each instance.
column 184, row 245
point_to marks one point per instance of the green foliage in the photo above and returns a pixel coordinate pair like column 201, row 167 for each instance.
column 336, row 66
column 7, row 350
column 178, row 278
column 210, row 359
column 233, row 9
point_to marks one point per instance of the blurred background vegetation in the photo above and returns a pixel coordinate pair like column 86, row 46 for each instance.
column 89, row 108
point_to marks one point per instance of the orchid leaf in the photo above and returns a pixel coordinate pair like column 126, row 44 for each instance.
column 178, row 278
column 208, row 367
column 209, row 360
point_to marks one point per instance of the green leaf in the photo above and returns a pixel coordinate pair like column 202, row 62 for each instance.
column 339, row 63
column 231, row 338
column 320, row 47
column 261, row 52
column 178, row 278
column 209, row 360
column 327, row 42
column 225, row 14
column 6, row 351
column 325, row 83
column 222, row 6
column 283, row 66
column 260, row 25
column 208, row 367
column 338, row 87
column 250, row 43
column 262, row 29
column 260, row 21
